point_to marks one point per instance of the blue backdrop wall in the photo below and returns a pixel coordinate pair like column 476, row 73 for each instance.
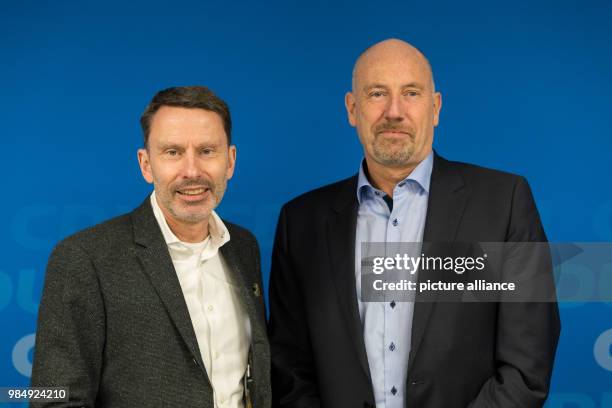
column 525, row 85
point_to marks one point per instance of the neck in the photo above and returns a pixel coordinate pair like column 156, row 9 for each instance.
column 386, row 178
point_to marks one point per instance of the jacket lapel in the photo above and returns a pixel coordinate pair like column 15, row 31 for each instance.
column 341, row 238
column 447, row 199
column 153, row 253
column 244, row 280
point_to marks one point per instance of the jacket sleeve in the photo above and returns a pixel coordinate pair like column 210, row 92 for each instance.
column 293, row 377
column 71, row 328
column 527, row 332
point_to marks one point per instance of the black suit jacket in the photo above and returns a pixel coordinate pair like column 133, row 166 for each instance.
column 114, row 327
column 463, row 354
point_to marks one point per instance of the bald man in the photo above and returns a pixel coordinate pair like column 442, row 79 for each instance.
column 331, row 346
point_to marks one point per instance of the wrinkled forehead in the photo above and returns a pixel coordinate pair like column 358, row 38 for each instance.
column 183, row 126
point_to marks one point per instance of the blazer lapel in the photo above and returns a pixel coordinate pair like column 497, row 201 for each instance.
column 244, row 281
column 341, row 238
column 447, row 199
column 156, row 262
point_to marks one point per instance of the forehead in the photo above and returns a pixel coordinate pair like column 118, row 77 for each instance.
column 392, row 69
column 183, row 124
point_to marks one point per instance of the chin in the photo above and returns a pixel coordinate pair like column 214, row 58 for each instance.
column 194, row 218
column 190, row 214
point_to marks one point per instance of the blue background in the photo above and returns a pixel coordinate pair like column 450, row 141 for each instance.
column 525, row 86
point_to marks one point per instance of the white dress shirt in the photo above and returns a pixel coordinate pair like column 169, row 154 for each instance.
column 221, row 324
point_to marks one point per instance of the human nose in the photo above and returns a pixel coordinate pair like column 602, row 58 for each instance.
column 394, row 108
column 190, row 166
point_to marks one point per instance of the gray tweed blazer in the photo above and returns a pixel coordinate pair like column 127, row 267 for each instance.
column 113, row 325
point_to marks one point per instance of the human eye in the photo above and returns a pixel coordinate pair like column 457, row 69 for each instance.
column 207, row 151
column 377, row 93
column 171, row 152
column 412, row 92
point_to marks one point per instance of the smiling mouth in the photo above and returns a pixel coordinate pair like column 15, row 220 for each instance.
column 193, row 191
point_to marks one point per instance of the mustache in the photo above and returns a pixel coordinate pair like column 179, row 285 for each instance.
column 195, row 183
column 392, row 127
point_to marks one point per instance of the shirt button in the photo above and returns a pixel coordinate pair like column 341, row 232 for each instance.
column 377, row 193
column 217, row 355
column 395, row 222
column 393, row 390
column 392, row 346
column 210, row 308
column 392, row 304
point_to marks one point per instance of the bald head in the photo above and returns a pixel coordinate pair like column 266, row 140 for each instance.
column 391, row 51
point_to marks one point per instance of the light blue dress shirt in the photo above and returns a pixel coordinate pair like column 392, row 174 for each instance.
column 387, row 325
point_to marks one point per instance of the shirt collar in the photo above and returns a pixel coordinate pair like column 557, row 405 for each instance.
column 421, row 175
column 216, row 228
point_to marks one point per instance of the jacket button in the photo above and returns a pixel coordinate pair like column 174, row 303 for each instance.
column 368, row 405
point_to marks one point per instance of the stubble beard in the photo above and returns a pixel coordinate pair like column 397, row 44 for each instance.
column 180, row 210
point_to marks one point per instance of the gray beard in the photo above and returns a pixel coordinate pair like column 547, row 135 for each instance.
column 391, row 155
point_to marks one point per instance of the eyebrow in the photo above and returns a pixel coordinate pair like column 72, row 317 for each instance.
column 169, row 145
column 166, row 146
column 408, row 85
